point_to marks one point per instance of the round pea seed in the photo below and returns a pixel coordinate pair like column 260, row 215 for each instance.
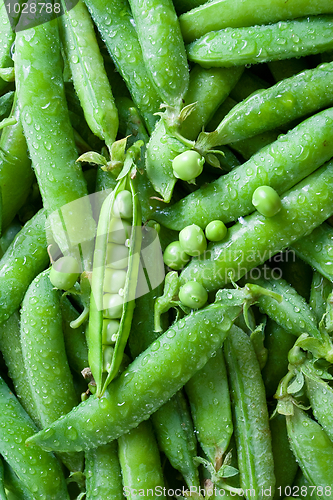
column 123, row 205
column 267, row 201
column 117, row 256
column 175, row 257
column 114, row 280
column 110, row 329
column 119, row 231
column 216, row 230
column 107, row 357
column 188, row 165
column 193, row 240
column 64, row 272
column 112, row 305
column 193, row 295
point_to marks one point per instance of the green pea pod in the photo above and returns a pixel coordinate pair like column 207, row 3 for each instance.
column 292, row 98
column 16, row 175
column 255, row 238
column 320, row 395
column 220, row 14
column 6, row 102
column 285, row 465
column 320, row 290
column 253, row 440
column 14, row 486
column 2, row 482
column 25, row 258
column 41, row 314
column 209, row 398
column 281, row 165
column 152, row 378
column 75, row 339
column 278, row 343
column 103, row 474
column 40, row 472
column 317, row 250
column 140, row 463
column 162, row 48
column 315, row 461
column 97, row 315
column 89, row 76
column 114, row 22
column 11, row 349
column 7, row 37
column 257, row 44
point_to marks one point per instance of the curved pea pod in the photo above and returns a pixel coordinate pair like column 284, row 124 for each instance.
column 320, row 290
column 16, row 175
column 14, row 485
column 285, row 465
column 257, row 44
column 281, row 165
column 114, row 22
column 41, row 314
column 253, row 440
column 317, row 250
column 152, row 378
column 209, row 398
column 300, row 95
column 89, row 76
column 103, row 474
column 140, row 462
column 24, row 259
column 315, row 461
column 320, row 395
column 121, row 320
column 255, row 238
column 162, row 48
column 220, row 14
column 40, row 472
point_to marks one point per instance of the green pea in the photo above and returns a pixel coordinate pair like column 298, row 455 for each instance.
column 267, row 201
column 175, row 257
column 193, row 295
column 216, row 230
column 110, row 328
column 107, row 357
column 113, row 304
column 192, row 240
column 114, row 280
column 64, row 272
column 117, row 256
column 119, row 231
column 123, row 205
column 188, row 165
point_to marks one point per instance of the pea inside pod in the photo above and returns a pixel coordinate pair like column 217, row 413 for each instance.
column 114, row 279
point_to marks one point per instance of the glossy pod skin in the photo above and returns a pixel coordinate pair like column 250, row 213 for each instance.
column 320, row 395
column 280, row 165
column 220, row 14
column 103, row 474
column 114, row 21
column 89, row 76
column 258, row 44
column 320, row 290
column 7, row 37
column 16, row 175
column 315, row 462
column 300, row 95
column 25, row 258
column 253, row 440
column 162, row 48
column 256, row 238
column 141, row 389
column 40, row 472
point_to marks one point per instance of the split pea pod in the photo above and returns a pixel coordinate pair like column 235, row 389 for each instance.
column 220, row 14
column 255, row 457
column 114, row 22
column 25, row 258
column 294, row 97
column 258, row 44
column 89, row 76
column 163, row 48
column 28, row 464
column 114, row 280
column 103, row 474
column 281, row 165
column 255, row 238
column 151, row 379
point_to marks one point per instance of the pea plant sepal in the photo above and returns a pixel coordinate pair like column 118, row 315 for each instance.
column 218, row 477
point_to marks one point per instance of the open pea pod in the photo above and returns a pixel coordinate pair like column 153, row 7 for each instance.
column 114, row 280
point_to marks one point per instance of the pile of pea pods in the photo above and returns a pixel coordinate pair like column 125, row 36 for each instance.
column 166, row 249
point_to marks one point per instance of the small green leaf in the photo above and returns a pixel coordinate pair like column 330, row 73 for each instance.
column 93, row 157
column 7, row 74
column 297, row 384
